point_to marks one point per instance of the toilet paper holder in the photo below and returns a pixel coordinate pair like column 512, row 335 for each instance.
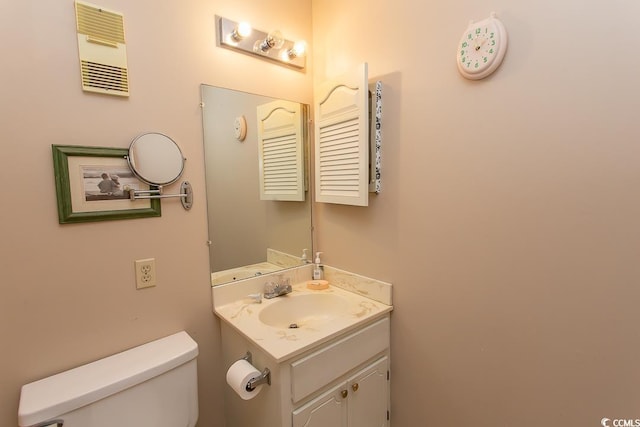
column 263, row 378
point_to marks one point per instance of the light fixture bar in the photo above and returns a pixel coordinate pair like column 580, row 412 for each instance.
column 227, row 37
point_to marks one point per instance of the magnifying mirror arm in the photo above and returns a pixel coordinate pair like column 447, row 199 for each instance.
column 186, row 194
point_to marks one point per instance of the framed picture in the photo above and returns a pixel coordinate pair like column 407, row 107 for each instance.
column 93, row 183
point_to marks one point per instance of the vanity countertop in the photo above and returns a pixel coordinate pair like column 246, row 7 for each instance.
column 243, row 314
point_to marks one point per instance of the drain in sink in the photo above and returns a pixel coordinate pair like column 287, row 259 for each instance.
column 293, row 326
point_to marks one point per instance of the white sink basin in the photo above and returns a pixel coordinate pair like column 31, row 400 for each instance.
column 303, row 311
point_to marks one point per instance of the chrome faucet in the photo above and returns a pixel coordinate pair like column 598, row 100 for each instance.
column 276, row 289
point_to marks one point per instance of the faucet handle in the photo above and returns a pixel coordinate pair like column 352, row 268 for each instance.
column 270, row 287
column 257, row 298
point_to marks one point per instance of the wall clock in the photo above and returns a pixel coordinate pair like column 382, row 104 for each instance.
column 482, row 48
column 240, row 128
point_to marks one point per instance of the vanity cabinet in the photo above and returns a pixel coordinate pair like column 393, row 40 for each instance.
column 343, row 382
column 360, row 401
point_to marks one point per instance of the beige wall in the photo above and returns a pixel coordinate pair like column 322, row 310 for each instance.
column 509, row 219
column 67, row 292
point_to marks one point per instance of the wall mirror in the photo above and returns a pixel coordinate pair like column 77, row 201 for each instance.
column 248, row 235
column 155, row 159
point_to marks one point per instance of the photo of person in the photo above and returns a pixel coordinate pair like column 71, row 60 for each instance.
column 106, row 185
column 102, row 183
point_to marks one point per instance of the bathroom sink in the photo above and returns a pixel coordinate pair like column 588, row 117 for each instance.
column 303, row 311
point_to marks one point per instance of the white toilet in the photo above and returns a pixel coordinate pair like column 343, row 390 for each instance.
column 153, row 385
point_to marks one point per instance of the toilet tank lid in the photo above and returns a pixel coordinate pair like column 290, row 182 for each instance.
column 64, row 392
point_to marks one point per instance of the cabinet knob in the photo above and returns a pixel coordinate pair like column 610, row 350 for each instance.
column 344, row 393
column 355, row 387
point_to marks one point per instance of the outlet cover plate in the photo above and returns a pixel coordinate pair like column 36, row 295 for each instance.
column 145, row 273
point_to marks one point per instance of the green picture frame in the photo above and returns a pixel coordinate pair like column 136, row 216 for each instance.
column 81, row 194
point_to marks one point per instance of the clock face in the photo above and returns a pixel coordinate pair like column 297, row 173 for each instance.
column 240, row 128
column 481, row 49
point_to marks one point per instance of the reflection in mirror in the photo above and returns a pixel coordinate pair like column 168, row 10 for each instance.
column 248, row 236
column 155, row 159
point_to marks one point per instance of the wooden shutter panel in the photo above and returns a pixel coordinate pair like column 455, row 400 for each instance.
column 342, row 140
column 281, row 151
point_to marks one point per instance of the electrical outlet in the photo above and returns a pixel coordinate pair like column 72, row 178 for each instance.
column 145, row 273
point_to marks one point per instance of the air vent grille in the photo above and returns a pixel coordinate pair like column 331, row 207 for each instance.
column 99, row 24
column 104, row 78
column 102, row 50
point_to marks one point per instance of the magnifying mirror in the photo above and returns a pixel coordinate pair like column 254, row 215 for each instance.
column 155, row 159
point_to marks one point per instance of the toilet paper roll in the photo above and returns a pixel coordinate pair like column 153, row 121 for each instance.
column 239, row 375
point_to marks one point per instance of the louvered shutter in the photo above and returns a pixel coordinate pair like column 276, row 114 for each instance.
column 281, row 151
column 342, row 140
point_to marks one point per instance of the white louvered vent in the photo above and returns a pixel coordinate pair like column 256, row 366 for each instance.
column 281, row 156
column 102, row 50
column 342, row 150
column 101, row 78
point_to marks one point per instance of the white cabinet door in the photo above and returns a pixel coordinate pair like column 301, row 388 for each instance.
column 369, row 396
column 327, row 410
column 342, row 139
column 281, row 151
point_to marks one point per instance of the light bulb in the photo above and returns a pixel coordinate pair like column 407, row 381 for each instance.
column 299, row 48
column 242, row 30
column 274, row 40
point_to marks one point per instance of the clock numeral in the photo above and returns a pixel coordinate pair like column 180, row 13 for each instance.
column 493, row 42
column 465, row 44
column 477, row 30
column 469, row 37
column 490, row 50
column 484, row 59
column 477, row 65
column 468, row 64
column 463, row 60
column 463, row 53
column 491, row 36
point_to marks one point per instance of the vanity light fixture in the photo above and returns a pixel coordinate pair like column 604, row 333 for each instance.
column 242, row 37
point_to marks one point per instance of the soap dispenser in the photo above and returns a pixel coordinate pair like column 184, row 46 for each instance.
column 305, row 257
column 318, row 273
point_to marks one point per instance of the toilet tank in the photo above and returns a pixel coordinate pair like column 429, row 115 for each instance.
column 153, row 385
